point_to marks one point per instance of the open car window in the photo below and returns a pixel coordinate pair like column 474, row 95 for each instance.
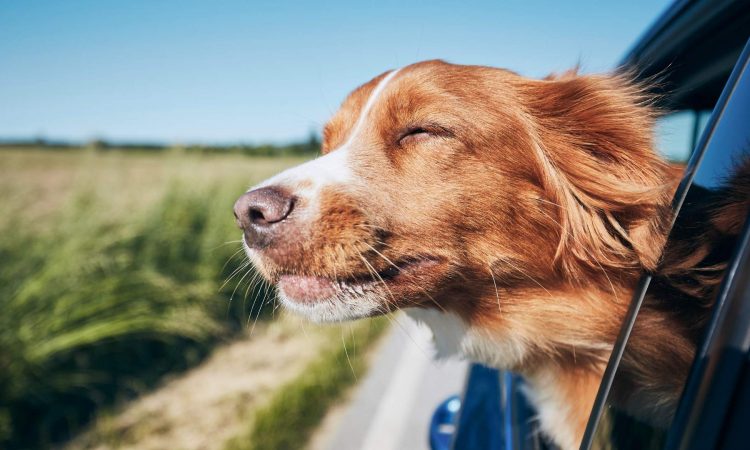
column 677, row 133
column 638, row 400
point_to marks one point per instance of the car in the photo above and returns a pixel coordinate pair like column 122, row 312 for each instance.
column 697, row 58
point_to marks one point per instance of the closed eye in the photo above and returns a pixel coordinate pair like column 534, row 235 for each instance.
column 419, row 133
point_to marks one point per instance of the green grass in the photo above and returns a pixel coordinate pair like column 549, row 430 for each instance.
column 111, row 273
column 294, row 411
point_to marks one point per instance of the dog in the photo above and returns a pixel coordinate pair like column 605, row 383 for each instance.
column 513, row 216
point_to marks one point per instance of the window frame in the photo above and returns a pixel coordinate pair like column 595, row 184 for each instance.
column 740, row 74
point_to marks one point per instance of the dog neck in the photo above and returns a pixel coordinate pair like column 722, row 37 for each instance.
column 563, row 371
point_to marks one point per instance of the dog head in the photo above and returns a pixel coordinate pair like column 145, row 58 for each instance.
column 465, row 189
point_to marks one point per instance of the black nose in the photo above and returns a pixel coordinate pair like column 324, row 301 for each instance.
column 258, row 210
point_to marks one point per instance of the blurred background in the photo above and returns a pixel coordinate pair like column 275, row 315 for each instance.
column 128, row 316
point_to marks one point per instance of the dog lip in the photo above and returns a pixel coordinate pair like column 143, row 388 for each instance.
column 306, row 289
column 313, row 288
column 408, row 266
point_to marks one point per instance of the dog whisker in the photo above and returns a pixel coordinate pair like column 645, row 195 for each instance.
column 239, row 250
column 346, row 352
column 395, row 266
column 248, row 272
column 236, row 241
column 381, row 255
column 494, row 283
column 376, row 274
column 235, row 273
column 254, row 282
column 522, row 272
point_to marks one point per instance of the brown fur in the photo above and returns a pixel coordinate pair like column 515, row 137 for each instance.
column 542, row 201
column 684, row 286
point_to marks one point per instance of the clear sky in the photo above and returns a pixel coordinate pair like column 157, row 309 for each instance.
column 266, row 71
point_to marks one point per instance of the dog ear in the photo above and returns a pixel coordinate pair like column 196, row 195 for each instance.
column 594, row 145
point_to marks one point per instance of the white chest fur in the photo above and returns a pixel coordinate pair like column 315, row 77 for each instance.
column 454, row 338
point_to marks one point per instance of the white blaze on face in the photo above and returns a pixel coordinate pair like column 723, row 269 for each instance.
column 306, row 180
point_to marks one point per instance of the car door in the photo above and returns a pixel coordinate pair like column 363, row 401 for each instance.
column 712, row 189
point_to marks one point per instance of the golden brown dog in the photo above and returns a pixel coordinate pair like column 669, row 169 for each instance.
column 512, row 215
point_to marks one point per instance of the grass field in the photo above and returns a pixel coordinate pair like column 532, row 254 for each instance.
column 268, row 390
column 112, row 271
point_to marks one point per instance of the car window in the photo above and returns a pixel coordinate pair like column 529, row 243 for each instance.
column 678, row 299
column 677, row 133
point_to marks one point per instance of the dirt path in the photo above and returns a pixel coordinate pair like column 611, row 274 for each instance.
column 212, row 402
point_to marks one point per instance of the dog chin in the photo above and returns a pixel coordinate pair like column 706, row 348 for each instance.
column 337, row 308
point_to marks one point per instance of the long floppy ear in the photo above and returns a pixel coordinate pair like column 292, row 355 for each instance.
column 593, row 141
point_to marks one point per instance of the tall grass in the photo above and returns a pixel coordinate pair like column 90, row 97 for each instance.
column 98, row 304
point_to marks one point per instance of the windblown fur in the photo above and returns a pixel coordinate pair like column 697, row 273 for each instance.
column 512, row 215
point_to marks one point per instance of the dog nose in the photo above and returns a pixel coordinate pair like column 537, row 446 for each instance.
column 259, row 210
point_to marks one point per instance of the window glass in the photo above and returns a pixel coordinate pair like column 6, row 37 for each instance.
column 678, row 302
column 677, row 132
column 674, row 134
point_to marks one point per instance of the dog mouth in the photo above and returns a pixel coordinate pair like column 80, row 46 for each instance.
column 310, row 289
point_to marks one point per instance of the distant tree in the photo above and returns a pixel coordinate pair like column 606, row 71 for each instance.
column 97, row 144
column 39, row 141
column 312, row 145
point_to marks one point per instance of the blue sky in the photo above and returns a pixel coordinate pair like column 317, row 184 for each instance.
column 258, row 71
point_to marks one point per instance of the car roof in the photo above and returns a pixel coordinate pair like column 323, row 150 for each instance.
column 690, row 50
